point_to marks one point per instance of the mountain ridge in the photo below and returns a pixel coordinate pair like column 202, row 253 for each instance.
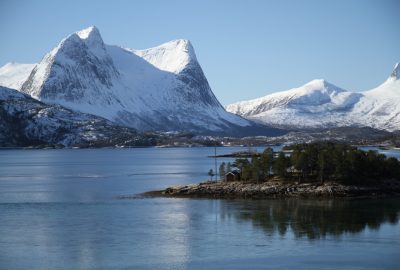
column 26, row 121
column 13, row 75
column 320, row 104
column 161, row 89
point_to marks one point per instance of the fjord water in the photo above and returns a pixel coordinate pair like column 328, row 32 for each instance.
column 61, row 209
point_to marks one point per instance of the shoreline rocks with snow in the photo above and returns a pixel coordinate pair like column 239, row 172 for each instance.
column 273, row 189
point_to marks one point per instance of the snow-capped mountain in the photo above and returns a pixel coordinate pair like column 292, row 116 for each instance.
column 25, row 121
column 320, row 104
column 13, row 75
column 161, row 88
column 315, row 104
column 380, row 107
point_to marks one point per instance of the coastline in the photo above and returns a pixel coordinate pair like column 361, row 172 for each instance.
column 230, row 155
column 274, row 189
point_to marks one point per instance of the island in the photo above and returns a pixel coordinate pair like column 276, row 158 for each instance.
column 322, row 169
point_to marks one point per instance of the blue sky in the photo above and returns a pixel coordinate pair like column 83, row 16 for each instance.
column 247, row 48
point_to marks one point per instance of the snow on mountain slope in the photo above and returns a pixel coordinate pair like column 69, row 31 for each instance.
column 172, row 56
column 13, row 75
column 25, row 121
column 315, row 104
column 380, row 107
column 321, row 104
column 161, row 88
column 74, row 72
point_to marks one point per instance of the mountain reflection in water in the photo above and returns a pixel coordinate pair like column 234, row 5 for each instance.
column 314, row 219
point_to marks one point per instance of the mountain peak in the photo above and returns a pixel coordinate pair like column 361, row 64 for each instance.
column 173, row 56
column 396, row 72
column 91, row 36
column 88, row 38
column 80, row 61
column 93, row 40
column 88, row 32
column 317, row 83
column 180, row 44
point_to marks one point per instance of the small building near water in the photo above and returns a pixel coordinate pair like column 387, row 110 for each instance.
column 232, row 176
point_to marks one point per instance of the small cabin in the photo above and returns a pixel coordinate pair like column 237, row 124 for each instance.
column 232, row 176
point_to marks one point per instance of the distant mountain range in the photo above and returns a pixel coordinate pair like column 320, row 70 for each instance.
column 158, row 89
column 87, row 92
column 320, row 104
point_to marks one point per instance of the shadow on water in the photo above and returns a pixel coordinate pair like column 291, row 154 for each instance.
column 314, row 219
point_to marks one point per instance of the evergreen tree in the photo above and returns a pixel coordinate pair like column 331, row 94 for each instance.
column 281, row 165
column 246, row 173
column 211, row 174
column 229, row 167
column 255, row 169
column 222, row 171
column 266, row 161
column 244, row 168
column 320, row 161
column 301, row 165
column 392, row 168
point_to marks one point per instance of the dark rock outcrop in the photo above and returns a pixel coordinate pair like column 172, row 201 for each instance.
column 275, row 189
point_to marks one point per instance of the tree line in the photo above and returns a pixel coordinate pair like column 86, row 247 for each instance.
column 324, row 161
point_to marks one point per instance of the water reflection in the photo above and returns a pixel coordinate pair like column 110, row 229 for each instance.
column 91, row 235
column 58, row 210
column 314, row 219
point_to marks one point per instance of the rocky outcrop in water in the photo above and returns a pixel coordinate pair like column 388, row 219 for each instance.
column 273, row 189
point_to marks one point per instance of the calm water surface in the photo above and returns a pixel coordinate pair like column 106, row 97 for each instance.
column 59, row 209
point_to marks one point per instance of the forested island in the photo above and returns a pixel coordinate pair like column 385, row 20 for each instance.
column 315, row 169
column 322, row 162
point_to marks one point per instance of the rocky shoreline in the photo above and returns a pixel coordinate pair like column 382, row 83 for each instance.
column 273, row 189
